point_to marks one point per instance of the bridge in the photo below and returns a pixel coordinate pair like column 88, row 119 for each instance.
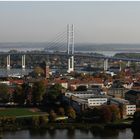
column 70, row 54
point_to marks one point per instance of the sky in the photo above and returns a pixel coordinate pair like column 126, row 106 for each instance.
column 94, row 22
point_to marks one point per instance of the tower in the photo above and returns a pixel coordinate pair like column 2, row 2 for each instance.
column 70, row 47
column 47, row 70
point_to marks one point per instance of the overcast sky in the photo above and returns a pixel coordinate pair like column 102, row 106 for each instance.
column 95, row 22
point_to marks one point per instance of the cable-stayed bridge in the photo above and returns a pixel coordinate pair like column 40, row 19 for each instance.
column 63, row 45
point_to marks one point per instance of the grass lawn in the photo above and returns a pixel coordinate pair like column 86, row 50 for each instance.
column 17, row 112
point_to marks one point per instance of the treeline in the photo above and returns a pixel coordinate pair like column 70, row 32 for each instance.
column 128, row 55
column 34, row 94
column 102, row 114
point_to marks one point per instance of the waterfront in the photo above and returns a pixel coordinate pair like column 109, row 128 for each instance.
column 69, row 134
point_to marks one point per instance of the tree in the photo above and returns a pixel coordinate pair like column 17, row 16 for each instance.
column 4, row 93
column 19, row 95
column 106, row 114
column 39, row 90
column 38, row 71
column 71, row 113
column 55, row 91
column 115, row 112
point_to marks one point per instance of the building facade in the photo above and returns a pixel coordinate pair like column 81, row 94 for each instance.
column 93, row 102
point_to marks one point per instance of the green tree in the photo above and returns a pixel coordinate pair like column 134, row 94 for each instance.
column 39, row 90
column 4, row 93
column 55, row 91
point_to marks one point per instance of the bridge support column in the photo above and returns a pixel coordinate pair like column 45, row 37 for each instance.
column 8, row 62
column 105, row 64
column 128, row 64
column 70, row 64
column 120, row 65
column 23, row 61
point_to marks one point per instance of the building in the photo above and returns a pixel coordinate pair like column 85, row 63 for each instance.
column 93, row 102
column 83, row 94
column 130, row 110
column 88, row 83
column 117, row 92
column 81, row 103
column 115, row 69
column 133, row 96
column 126, row 108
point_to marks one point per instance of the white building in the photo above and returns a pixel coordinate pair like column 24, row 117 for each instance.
column 82, row 94
column 96, row 101
column 130, row 109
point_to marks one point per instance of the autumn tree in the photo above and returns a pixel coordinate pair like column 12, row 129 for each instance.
column 115, row 112
column 71, row 112
column 106, row 114
column 38, row 71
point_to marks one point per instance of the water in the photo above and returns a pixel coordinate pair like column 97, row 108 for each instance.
column 69, row 134
column 106, row 49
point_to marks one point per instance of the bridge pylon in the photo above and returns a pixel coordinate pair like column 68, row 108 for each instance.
column 23, row 61
column 105, row 64
column 8, row 62
column 70, row 47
